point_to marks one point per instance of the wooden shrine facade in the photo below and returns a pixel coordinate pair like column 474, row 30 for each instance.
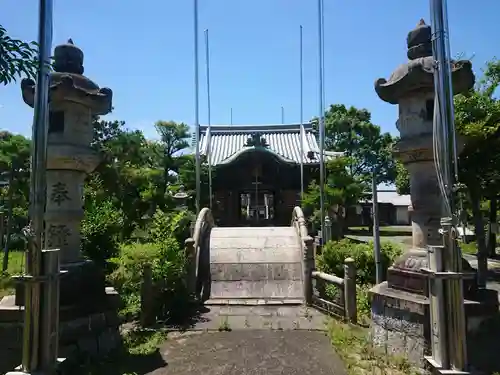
column 256, row 171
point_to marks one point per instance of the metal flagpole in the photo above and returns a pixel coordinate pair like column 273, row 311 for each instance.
column 197, row 107
column 445, row 154
column 231, row 116
column 323, row 49
column 301, row 74
column 379, row 274
column 321, row 120
column 31, row 360
column 209, row 131
column 282, row 115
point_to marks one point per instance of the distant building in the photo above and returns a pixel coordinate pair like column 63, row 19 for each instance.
column 257, row 170
column 392, row 207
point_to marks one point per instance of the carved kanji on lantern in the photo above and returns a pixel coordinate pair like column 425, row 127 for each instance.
column 59, row 193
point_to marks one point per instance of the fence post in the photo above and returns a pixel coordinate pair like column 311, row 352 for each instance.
column 308, row 260
column 351, row 312
column 147, row 297
column 318, row 247
column 191, row 265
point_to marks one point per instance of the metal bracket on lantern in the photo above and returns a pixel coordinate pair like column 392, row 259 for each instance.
column 438, row 279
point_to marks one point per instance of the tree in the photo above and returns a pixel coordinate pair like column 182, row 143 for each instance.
column 14, row 165
column 342, row 190
column 477, row 117
column 17, row 58
column 173, row 138
column 402, row 179
column 350, row 130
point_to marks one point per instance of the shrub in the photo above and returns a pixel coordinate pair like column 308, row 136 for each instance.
column 335, row 252
column 169, row 275
column 100, row 229
column 170, row 224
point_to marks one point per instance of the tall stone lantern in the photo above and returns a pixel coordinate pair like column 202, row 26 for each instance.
column 74, row 100
column 400, row 306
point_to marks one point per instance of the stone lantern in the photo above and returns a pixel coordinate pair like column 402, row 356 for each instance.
column 74, row 100
column 400, row 306
column 181, row 198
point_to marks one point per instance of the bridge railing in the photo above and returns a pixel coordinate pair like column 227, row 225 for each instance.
column 335, row 295
column 197, row 250
column 332, row 294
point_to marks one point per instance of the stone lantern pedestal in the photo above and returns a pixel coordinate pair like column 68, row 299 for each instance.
column 88, row 310
column 400, row 306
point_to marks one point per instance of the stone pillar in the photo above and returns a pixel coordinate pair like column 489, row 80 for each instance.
column 400, row 306
column 411, row 87
column 88, row 318
column 414, row 150
column 74, row 100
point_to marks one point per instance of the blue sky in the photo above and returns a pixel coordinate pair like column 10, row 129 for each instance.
column 143, row 51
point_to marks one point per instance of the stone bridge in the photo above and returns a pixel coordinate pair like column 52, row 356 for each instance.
column 257, row 286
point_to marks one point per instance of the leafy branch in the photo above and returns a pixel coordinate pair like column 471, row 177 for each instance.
column 17, row 58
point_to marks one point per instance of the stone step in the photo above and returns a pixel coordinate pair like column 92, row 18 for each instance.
column 255, row 271
column 254, row 302
column 273, row 317
column 255, row 263
column 248, row 232
column 260, row 289
column 263, row 254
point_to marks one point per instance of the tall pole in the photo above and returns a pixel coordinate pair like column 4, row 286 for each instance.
column 209, row 131
column 376, row 231
column 446, row 156
column 301, row 75
column 282, row 115
column 321, row 120
column 32, row 317
column 197, row 107
column 323, row 50
column 231, row 116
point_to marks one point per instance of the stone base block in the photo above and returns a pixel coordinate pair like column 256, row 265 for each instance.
column 82, row 284
column 401, row 320
column 81, row 334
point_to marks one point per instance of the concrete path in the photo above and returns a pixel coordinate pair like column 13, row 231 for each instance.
column 254, row 322
column 255, row 263
column 250, row 352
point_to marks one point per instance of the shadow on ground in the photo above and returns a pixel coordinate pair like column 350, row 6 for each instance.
column 188, row 320
column 121, row 363
column 483, row 347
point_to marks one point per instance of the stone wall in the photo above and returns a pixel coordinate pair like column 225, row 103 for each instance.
column 400, row 324
column 401, row 320
column 91, row 335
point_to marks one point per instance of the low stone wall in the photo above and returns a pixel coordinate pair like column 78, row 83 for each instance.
column 80, row 336
column 401, row 320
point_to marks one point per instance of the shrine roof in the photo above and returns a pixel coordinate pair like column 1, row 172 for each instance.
column 283, row 140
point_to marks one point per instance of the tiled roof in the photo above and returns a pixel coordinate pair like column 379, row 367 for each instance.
column 228, row 141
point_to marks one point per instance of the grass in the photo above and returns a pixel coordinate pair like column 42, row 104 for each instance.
column 16, row 267
column 360, row 357
column 469, row 248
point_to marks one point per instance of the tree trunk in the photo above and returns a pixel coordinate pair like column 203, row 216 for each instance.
column 492, row 236
column 9, row 221
column 482, row 253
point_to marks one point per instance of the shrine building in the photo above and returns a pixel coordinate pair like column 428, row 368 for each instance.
column 256, row 179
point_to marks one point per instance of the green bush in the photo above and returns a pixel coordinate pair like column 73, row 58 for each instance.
column 170, row 224
column 100, row 230
column 335, row 252
column 168, row 265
